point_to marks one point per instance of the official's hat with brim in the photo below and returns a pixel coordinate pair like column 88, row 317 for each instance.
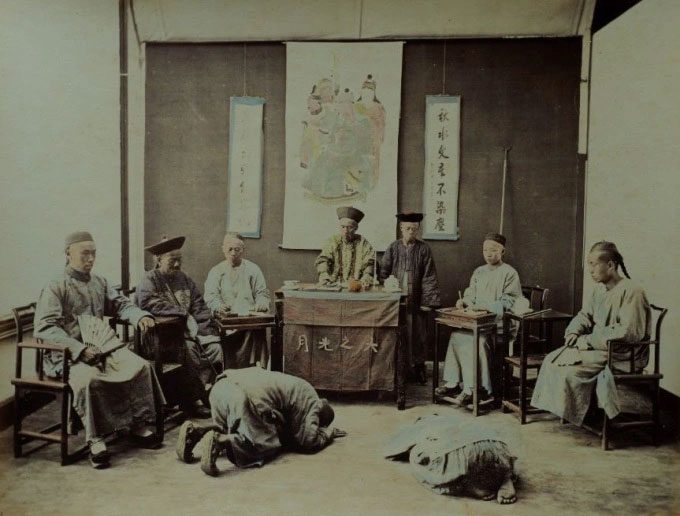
column 166, row 245
column 348, row 212
column 409, row 216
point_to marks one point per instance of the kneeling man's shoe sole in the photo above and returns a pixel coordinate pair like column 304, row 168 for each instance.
column 189, row 435
column 209, row 454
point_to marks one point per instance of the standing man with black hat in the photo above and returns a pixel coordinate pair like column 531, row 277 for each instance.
column 120, row 392
column 347, row 255
column 494, row 287
column 167, row 291
column 411, row 261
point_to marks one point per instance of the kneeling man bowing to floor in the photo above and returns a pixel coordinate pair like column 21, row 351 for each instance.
column 256, row 413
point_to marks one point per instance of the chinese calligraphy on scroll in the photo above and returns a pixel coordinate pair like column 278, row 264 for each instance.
column 442, row 167
column 244, row 183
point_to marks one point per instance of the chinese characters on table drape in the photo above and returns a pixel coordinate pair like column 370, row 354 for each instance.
column 442, row 167
column 244, row 182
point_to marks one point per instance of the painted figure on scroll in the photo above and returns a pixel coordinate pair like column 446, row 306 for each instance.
column 341, row 141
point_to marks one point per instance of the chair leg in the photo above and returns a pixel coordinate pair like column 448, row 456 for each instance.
column 65, row 398
column 605, row 432
column 18, row 416
column 656, row 430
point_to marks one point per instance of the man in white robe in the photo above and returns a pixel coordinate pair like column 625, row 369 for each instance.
column 494, row 287
column 617, row 309
column 237, row 286
column 124, row 392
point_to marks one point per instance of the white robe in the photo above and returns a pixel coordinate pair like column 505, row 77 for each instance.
column 242, row 288
column 492, row 289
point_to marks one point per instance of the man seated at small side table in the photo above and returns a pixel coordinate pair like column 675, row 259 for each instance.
column 236, row 285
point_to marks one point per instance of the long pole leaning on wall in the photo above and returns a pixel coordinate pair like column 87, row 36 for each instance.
column 124, row 211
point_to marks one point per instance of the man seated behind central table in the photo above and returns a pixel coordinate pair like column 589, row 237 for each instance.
column 237, row 286
column 347, row 255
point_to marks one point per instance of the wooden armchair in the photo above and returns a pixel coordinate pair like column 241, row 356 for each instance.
column 651, row 379
column 151, row 347
column 54, row 388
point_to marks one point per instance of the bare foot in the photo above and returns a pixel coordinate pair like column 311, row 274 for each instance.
column 481, row 493
column 506, row 494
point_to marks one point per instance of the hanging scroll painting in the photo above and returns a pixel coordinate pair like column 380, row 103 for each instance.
column 442, row 167
column 342, row 129
column 245, row 166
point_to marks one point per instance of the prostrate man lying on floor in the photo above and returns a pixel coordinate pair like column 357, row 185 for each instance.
column 256, row 413
column 119, row 392
column 456, row 459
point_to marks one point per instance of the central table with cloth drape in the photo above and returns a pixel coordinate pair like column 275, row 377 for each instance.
column 344, row 341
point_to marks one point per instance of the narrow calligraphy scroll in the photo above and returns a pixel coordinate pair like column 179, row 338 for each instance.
column 442, row 167
column 244, row 183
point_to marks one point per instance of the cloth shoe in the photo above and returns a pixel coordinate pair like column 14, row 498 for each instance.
column 449, row 392
column 189, row 435
column 209, row 454
column 144, row 438
column 99, row 455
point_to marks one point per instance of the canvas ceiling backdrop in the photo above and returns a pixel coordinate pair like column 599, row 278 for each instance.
column 342, row 129
column 521, row 92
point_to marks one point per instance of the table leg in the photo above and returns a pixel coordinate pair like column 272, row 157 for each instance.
column 523, row 376
column 475, row 377
column 435, row 362
column 401, row 364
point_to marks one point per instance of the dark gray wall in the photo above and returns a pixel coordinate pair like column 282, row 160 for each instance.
column 520, row 93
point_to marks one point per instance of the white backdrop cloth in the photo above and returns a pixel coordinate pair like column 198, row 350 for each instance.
column 342, row 128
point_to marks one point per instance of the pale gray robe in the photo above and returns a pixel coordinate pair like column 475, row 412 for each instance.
column 565, row 388
column 241, row 288
column 492, row 289
column 451, row 457
column 127, row 392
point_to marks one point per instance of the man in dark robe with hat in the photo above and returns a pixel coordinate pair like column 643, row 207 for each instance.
column 347, row 255
column 120, row 391
column 494, row 287
column 410, row 260
column 257, row 413
column 168, row 291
